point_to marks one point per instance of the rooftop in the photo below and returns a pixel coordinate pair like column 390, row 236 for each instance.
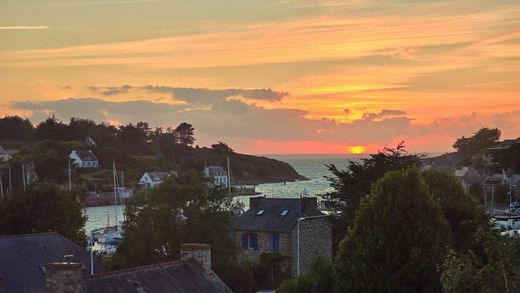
column 162, row 277
column 214, row 171
column 23, row 256
column 86, row 155
column 276, row 214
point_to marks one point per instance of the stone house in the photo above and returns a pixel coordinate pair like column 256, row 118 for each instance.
column 152, row 179
column 293, row 227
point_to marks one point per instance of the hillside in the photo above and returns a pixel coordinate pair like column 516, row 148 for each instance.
column 134, row 149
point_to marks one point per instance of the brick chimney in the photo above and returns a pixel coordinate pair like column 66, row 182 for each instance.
column 309, row 205
column 63, row 277
column 200, row 254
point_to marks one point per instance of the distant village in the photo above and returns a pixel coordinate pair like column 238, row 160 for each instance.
column 288, row 234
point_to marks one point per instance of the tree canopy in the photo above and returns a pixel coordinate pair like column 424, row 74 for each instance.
column 181, row 209
column 43, row 207
column 398, row 240
column 482, row 139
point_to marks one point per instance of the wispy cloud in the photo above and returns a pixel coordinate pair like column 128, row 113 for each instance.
column 24, row 27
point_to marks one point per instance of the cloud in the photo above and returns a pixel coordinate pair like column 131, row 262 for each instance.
column 111, row 90
column 195, row 95
column 383, row 114
column 23, row 27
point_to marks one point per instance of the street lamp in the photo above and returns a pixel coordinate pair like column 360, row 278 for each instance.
column 298, row 240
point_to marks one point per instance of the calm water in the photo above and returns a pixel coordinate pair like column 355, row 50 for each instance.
column 311, row 166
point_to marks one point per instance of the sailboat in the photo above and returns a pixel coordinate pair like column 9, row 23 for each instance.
column 111, row 235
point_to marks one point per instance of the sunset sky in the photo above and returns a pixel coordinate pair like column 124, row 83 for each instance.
column 269, row 76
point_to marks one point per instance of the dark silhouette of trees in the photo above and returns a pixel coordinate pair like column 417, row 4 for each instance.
column 43, row 207
column 17, row 128
column 482, row 139
column 52, row 129
column 184, row 134
column 222, row 148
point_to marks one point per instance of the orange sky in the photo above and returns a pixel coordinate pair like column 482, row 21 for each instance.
column 286, row 76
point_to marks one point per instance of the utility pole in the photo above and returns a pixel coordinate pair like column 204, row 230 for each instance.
column 10, row 187
column 23, row 176
column 1, row 187
column 70, row 180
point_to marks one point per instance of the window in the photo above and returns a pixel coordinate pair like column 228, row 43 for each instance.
column 274, row 242
column 284, row 213
column 260, row 212
column 250, row 241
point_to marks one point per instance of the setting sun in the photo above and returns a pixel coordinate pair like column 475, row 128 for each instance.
column 356, row 150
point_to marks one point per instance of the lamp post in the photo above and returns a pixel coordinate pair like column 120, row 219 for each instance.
column 298, row 240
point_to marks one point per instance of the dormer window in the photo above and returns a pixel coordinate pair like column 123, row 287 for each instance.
column 284, row 213
column 260, row 212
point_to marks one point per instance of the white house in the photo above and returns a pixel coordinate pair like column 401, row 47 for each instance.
column 152, row 179
column 4, row 155
column 84, row 159
column 219, row 175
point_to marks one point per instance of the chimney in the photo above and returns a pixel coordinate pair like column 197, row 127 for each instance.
column 200, row 254
column 309, row 205
column 63, row 277
column 254, row 201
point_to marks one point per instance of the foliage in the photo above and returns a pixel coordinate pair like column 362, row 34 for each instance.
column 354, row 183
column 319, row 280
column 43, row 207
column 398, row 240
column 17, row 128
column 184, row 134
column 181, row 209
column 460, row 209
column 496, row 268
column 52, row 129
column 482, row 139
column 222, row 148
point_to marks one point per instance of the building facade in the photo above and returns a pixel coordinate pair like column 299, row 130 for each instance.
column 84, row 159
column 292, row 227
column 218, row 175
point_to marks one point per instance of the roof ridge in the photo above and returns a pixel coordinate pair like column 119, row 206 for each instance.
column 127, row 270
column 30, row 234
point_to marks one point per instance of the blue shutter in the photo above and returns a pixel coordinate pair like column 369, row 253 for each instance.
column 255, row 242
column 244, row 240
column 274, row 242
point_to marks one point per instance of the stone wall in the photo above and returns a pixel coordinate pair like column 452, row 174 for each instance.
column 315, row 242
column 198, row 253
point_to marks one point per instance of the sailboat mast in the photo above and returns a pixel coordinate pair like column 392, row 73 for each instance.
column 229, row 176
column 115, row 189
column 70, row 180
column 23, row 175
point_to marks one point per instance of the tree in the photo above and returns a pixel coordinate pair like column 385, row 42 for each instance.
column 482, row 139
column 319, row 280
column 398, row 241
column 222, row 148
column 185, row 134
column 354, row 183
column 181, row 209
column 15, row 127
column 134, row 138
column 52, row 129
column 43, row 207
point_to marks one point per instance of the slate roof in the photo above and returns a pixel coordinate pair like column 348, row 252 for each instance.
column 164, row 277
column 158, row 176
column 271, row 219
column 21, row 258
column 214, row 171
column 86, row 156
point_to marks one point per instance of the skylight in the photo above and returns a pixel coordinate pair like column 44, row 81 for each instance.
column 260, row 212
column 284, row 213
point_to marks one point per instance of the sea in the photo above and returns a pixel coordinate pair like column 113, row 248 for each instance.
column 313, row 167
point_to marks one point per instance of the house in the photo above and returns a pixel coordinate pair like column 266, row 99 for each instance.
column 293, row 227
column 152, row 179
column 192, row 273
column 30, row 172
column 219, row 175
column 23, row 259
column 468, row 177
column 84, row 159
column 90, row 142
column 4, row 155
